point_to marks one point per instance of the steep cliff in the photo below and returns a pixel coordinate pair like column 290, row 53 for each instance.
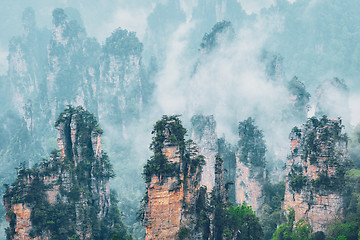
column 176, row 206
column 73, row 71
column 68, row 195
column 173, row 176
column 204, row 135
column 315, row 172
column 250, row 165
column 121, row 78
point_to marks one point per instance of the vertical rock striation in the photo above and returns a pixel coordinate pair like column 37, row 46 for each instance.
column 315, row 172
column 205, row 137
column 68, row 195
column 173, row 176
column 250, row 165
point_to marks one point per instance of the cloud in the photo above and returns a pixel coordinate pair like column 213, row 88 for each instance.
column 255, row 6
column 229, row 83
column 354, row 109
column 133, row 19
column 3, row 61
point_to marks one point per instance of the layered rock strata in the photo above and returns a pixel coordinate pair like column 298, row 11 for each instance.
column 315, row 172
column 173, row 177
column 75, row 181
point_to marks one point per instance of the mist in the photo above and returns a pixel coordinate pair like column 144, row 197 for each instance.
column 247, row 73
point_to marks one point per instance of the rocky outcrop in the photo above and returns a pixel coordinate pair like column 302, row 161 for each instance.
column 120, row 80
column 68, row 195
column 315, row 172
column 247, row 188
column 73, row 59
column 204, row 135
column 173, row 178
column 250, row 165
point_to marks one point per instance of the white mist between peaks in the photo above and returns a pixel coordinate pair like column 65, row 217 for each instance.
column 229, row 83
column 3, row 61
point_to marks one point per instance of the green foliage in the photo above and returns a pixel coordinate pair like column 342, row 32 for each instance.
column 75, row 183
column 202, row 211
column 301, row 231
column 251, row 144
column 211, row 40
column 297, row 182
column 123, row 43
column 271, row 214
column 348, row 226
column 84, row 120
column 183, row 233
column 322, row 140
column 242, row 223
column 284, row 231
column 158, row 165
column 170, row 130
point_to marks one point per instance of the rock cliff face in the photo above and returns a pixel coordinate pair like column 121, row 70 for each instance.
column 250, row 165
column 68, row 195
column 315, row 172
column 173, row 177
column 204, row 135
column 120, row 80
column 73, row 73
column 248, row 188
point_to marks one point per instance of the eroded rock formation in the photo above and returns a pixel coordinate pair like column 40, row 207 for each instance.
column 250, row 165
column 204, row 135
column 68, row 195
column 315, row 172
column 173, row 177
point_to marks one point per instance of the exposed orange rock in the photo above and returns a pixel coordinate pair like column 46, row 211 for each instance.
column 248, row 189
column 318, row 206
column 55, row 175
column 23, row 223
column 167, row 198
column 170, row 197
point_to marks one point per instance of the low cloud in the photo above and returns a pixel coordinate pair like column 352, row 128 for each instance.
column 3, row 61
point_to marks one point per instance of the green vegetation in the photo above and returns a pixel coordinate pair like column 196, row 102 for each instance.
column 242, row 223
column 227, row 153
column 302, row 230
column 183, row 233
column 252, row 147
column 348, row 226
column 169, row 130
column 79, row 177
column 202, row 213
column 323, row 145
column 123, row 43
column 271, row 213
column 211, row 40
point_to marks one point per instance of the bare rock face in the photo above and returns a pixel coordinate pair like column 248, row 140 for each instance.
column 250, row 165
column 121, row 81
column 73, row 74
column 173, row 177
column 204, row 135
column 68, row 195
column 247, row 188
column 315, row 172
